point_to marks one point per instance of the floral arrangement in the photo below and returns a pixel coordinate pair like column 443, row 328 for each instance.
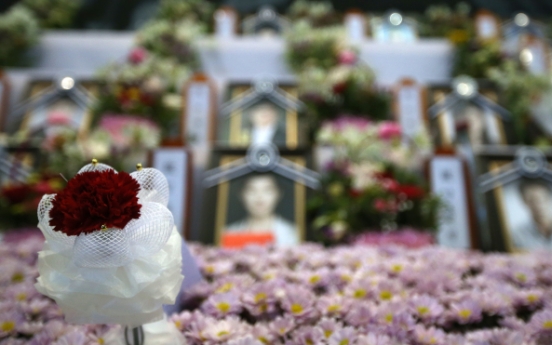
column 197, row 11
column 520, row 91
column 315, row 13
column 171, row 40
column 53, row 14
column 19, row 201
column 309, row 294
column 19, row 31
column 143, row 86
column 371, row 182
column 487, row 60
column 103, row 227
column 443, row 21
column 332, row 80
column 120, row 140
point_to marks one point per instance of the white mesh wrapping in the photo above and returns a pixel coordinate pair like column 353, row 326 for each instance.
column 155, row 187
column 119, row 276
column 149, row 233
column 107, row 248
column 95, row 167
column 58, row 240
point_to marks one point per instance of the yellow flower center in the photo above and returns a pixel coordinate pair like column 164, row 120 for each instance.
column 334, row 308
column 346, row 278
column 260, row 296
column 263, row 340
column 344, row 342
column 223, row 307
column 547, row 324
column 360, row 293
column 101, row 341
column 532, row 298
column 521, row 277
column 18, row 277
column 389, row 318
column 314, row 279
column 386, row 295
column 178, row 324
column 21, row 296
column 209, row 269
column 7, row 326
column 225, row 288
column 465, row 313
column 397, row 268
column 296, row 308
column 423, row 310
column 328, row 333
column 222, row 333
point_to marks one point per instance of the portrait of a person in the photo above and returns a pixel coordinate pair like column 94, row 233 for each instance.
column 536, row 196
column 265, row 125
column 260, row 195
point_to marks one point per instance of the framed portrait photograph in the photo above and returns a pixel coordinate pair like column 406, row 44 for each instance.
column 4, row 100
column 175, row 162
column 525, row 39
column 49, row 104
column 198, row 118
column 519, row 216
column 262, row 208
column 466, row 123
column 262, row 119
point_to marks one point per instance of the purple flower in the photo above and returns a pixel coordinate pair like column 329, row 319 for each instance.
column 246, row 340
column 429, row 336
column 540, row 326
column 329, row 326
column 466, row 311
column 282, row 325
column 343, row 336
column 260, row 298
column 299, row 303
column 426, row 308
column 308, row 335
column 74, row 337
column 221, row 305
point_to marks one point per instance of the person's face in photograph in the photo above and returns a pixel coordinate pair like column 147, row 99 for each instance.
column 538, row 199
column 260, row 196
column 264, row 115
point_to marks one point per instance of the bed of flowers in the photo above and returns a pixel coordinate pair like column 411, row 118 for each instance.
column 315, row 295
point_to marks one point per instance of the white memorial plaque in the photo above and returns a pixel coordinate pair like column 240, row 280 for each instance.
column 198, row 113
column 449, row 183
column 173, row 162
column 411, row 118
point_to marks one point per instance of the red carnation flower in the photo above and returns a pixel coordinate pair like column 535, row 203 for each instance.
column 410, row 191
column 95, row 198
